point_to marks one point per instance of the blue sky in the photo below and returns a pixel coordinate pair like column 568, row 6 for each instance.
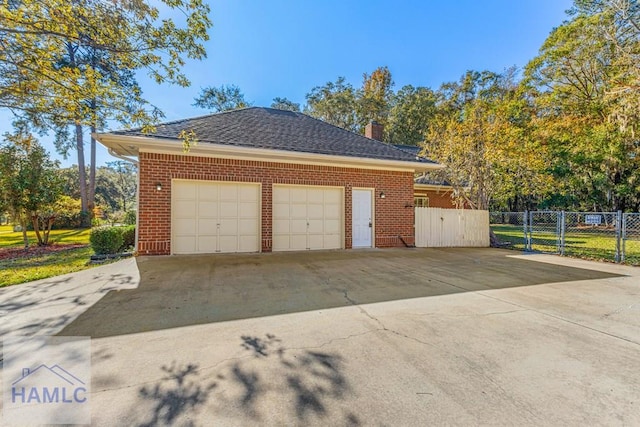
column 284, row 48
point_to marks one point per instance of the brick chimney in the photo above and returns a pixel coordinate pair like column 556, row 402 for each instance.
column 374, row 130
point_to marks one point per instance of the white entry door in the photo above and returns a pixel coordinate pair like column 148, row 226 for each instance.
column 362, row 230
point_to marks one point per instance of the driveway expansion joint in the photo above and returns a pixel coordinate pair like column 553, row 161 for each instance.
column 543, row 313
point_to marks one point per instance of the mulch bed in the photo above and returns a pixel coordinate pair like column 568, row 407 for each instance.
column 15, row 253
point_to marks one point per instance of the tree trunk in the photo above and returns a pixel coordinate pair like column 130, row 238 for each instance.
column 82, row 174
column 91, row 196
column 47, row 230
column 25, row 238
column 123, row 185
column 494, row 242
column 86, row 219
column 36, row 228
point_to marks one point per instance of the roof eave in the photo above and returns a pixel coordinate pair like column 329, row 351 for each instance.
column 131, row 146
column 437, row 187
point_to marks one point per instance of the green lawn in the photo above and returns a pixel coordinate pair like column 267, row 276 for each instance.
column 577, row 244
column 512, row 234
column 9, row 238
column 34, row 265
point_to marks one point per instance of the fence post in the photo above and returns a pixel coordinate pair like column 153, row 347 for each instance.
column 624, row 238
column 530, row 234
column 618, row 236
column 525, row 221
column 561, row 236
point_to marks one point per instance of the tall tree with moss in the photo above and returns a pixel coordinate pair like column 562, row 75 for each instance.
column 585, row 84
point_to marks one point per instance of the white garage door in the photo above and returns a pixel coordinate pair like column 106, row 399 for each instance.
column 210, row 217
column 307, row 217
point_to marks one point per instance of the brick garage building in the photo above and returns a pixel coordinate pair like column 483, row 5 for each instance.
column 261, row 179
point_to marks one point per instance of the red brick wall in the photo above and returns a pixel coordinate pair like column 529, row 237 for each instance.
column 437, row 199
column 393, row 218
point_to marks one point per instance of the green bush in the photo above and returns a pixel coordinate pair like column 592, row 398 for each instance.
column 128, row 237
column 68, row 213
column 106, row 240
column 130, row 218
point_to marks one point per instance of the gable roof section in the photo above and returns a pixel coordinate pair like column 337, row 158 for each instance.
column 272, row 129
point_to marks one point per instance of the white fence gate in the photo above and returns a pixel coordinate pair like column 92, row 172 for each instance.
column 436, row 227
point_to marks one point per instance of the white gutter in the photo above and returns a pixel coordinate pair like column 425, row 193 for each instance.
column 126, row 159
column 137, row 144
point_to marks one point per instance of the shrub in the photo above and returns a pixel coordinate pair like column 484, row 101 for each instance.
column 128, row 237
column 68, row 213
column 130, row 218
column 106, row 240
column 97, row 222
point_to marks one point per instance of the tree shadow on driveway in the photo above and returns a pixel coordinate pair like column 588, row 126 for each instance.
column 304, row 385
column 181, row 291
column 46, row 306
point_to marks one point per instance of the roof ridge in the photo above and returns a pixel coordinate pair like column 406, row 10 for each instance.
column 345, row 130
column 388, row 144
column 173, row 122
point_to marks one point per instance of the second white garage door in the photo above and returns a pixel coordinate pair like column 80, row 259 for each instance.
column 210, row 217
column 307, row 217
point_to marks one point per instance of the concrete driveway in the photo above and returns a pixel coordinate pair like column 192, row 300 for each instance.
column 376, row 337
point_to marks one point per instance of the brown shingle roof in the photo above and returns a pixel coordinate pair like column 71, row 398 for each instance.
column 274, row 129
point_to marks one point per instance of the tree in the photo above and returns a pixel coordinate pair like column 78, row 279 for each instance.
column 223, row 98
column 334, row 103
column 341, row 105
column 618, row 28
column 117, row 185
column 585, row 85
column 29, row 184
column 285, row 104
column 481, row 134
column 374, row 98
column 412, row 110
column 74, row 63
column 70, row 181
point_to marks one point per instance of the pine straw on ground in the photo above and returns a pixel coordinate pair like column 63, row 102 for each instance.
column 33, row 251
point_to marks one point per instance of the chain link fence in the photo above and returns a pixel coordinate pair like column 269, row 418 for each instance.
column 609, row 236
column 631, row 238
column 544, row 232
column 511, row 227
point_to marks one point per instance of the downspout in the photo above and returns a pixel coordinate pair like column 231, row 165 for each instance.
column 137, row 164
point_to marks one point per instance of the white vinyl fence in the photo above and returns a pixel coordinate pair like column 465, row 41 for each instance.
column 436, row 227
